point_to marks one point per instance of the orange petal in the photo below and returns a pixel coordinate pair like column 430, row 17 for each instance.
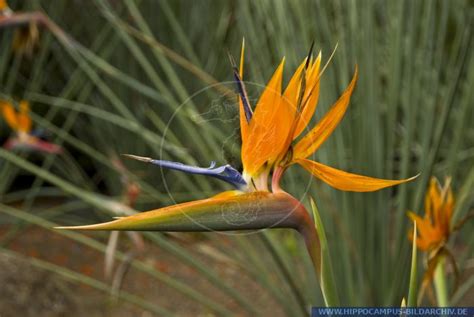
column 448, row 209
column 292, row 90
column 347, row 181
column 311, row 97
column 425, row 230
column 446, row 204
column 296, row 113
column 421, row 223
column 242, row 53
column 24, row 120
column 424, row 245
column 288, row 113
column 429, row 236
column 428, row 205
column 433, row 200
column 3, row 5
column 264, row 138
column 313, row 140
column 10, row 115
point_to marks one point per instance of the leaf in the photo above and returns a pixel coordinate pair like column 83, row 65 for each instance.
column 412, row 291
column 328, row 285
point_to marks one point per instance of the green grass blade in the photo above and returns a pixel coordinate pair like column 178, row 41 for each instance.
column 328, row 285
column 413, row 289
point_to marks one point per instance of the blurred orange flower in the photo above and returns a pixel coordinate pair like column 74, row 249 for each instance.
column 26, row 37
column 20, row 123
column 434, row 230
column 435, row 227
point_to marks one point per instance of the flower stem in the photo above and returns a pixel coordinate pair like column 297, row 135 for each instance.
column 277, row 174
column 440, row 283
column 316, row 244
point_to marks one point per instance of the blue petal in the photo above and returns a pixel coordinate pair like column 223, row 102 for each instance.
column 39, row 132
column 226, row 173
column 243, row 95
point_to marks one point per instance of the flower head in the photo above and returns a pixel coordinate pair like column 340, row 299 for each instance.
column 435, row 227
column 270, row 132
column 20, row 123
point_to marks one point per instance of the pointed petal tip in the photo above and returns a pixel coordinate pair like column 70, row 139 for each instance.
column 324, row 128
column 98, row 226
column 346, row 181
column 68, row 227
column 110, row 225
column 242, row 58
column 138, row 158
column 413, row 216
column 310, row 53
column 406, row 180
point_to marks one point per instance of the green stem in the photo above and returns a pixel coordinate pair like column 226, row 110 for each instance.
column 440, row 283
column 317, row 247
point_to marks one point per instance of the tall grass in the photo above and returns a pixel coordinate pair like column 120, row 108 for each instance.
column 152, row 78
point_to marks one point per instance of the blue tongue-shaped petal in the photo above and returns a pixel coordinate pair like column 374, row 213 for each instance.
column 242, row 91
column 226, row 173
column 243, row 96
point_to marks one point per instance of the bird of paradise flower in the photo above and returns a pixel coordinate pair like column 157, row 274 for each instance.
column 268, row 132
column 24, row 137
column 435, row 229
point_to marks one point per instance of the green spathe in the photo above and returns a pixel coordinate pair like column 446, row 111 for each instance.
column 231, row 210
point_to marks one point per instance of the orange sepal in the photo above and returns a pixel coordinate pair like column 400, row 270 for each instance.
column 24, row 120
column 265, row 137
column 9, row 114
column 428, row 235
column 310, row 99
column 316, row 137
column 347, row 181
